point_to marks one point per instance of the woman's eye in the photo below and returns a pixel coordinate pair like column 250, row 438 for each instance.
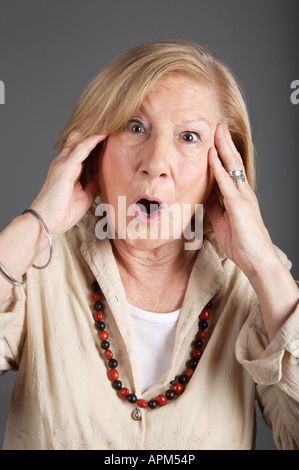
column 190, row 137
column 135, row 127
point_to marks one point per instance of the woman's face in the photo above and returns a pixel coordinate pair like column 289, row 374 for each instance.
column 160, row 160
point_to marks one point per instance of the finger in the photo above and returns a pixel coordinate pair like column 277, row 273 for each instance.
column 229, row 154
column 72, row 140
column 225, row 183
column 76, row 147
column 228, row 188
column 83, row 148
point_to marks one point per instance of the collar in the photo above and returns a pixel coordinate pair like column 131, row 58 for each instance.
column 207, row 278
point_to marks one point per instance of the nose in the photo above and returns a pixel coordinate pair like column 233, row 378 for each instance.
column 156, row 158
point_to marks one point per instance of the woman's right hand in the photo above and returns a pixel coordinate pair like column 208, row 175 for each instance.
column 63, row 201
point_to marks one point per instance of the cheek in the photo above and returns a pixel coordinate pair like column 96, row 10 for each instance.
column 195, row 182
column 118, row 158
column 115, row 168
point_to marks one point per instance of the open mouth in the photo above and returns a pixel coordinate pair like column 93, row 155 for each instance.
column 148, row 207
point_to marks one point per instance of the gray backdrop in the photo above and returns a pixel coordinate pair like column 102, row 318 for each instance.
column 49, row 51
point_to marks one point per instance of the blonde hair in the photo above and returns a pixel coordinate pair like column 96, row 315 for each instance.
column 119, row 89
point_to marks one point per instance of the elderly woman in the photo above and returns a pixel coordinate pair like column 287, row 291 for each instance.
column 135, row 342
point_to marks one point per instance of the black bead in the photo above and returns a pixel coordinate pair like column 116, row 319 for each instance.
column 98, row 306
column 105, row 345
column 112, row 363
column 209, row 304
column 193, row 363
column 153, row 404
column 203, row 324
column 95, row 286
column 198, row 343
column 100, row 325
column 132, row 398
column 117, row 384
column 170, row 394
column 183, row 379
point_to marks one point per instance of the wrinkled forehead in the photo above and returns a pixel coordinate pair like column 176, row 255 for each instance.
column 180, row 99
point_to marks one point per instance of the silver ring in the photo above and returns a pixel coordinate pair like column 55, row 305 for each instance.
column 237, row 176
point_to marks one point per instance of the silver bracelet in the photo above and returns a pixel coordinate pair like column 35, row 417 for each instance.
column 24, row 277
column 35, row 214
column 11, row 279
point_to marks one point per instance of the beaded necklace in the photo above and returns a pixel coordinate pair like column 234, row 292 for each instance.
column 177, row 385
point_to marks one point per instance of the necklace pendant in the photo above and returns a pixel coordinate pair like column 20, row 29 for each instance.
column 136, row 415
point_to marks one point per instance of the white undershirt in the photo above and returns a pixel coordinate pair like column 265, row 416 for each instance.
column 154, row 342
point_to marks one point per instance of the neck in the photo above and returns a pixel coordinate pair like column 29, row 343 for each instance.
column 155, row 279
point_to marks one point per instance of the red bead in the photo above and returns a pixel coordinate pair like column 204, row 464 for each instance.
column 189, row 373
column 103, row 335
column 96, row 296
column 108, row 354
column 201, row 334
column 123, row 393
column 178, row 388
column 161, row 399
column 112, row 374
column 196, row 353
column 142, row 403
column 98, row 316
column 205, row 314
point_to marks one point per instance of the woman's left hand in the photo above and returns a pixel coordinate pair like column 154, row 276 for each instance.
column 238, row 224
column 240, row 231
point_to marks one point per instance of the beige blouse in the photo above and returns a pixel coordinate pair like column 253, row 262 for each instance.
column 62, row 398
